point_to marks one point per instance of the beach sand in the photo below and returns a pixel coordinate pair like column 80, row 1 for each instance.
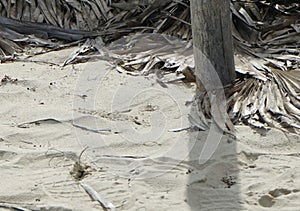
column 117, row 128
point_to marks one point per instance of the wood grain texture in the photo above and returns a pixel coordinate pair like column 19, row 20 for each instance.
column 211, row 24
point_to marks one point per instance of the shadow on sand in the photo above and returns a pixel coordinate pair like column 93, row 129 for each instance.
column 214, row 184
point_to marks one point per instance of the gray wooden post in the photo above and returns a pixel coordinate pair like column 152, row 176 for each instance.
column 212, row 35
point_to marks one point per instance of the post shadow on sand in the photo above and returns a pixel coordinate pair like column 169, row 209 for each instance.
column 214, row 184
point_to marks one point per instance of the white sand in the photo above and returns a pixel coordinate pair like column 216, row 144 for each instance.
column 50, row 115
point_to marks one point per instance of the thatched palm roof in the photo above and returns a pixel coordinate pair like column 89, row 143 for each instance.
column 266, row 36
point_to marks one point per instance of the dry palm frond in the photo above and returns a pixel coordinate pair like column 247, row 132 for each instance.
column 273, row 103
column 149, row 52
column 68, row 14
column 263, row 95
column 266, row 36
column 268, row 32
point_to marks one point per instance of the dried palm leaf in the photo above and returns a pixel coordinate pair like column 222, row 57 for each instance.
column 263, row 96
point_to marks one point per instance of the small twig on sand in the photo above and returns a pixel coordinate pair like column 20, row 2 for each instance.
column 13, row 59
column 97, row 130
column 79, row 170
column 179, row 129
column 13, row 207
column 95, row 196
column 36, row 61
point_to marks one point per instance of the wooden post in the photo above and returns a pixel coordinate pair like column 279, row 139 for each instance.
column 212, row 36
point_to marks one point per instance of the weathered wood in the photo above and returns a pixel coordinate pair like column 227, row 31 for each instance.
column 10, row 27
column 212, row 37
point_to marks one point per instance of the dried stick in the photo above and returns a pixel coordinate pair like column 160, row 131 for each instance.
column 94, row 195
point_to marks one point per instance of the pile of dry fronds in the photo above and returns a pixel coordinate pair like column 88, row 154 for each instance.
column 266, row 35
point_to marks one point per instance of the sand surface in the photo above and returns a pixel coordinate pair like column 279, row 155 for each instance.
column 51, row 114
